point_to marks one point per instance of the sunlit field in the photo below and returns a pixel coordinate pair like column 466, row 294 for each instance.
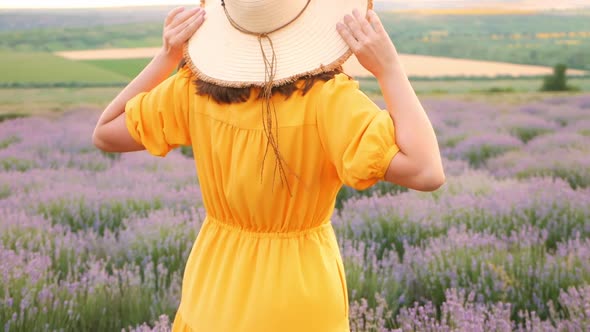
column 93, row 241
column 97, row 242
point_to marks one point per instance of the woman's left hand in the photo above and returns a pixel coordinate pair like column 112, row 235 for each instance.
column 180, row 25
column 370, row 42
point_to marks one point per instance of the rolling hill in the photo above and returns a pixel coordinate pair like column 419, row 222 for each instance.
column 512, row 4
column 44, row 68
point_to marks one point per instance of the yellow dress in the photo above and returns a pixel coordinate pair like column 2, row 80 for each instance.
column 264, row 260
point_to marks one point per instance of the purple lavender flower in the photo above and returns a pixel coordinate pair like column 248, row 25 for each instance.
column 499, row 248
column 479, row 148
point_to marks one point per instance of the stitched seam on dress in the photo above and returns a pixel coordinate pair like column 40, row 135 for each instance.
column 273, row 235
column 251, row 129
column 316, row 107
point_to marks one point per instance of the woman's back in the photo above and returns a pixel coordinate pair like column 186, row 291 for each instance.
column 266, row 257
column 321, row 150
column 261, row 231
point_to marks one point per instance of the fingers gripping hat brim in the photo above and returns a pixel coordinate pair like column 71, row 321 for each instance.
column 220, row 54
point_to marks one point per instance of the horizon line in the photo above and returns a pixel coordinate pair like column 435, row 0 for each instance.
column 107, row 6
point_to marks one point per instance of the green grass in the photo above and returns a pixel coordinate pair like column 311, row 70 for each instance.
column 94, row 36
column 37, row 101
column 478, row 87
column 505, row 38
column 43, row 101
column 510, row 38
column 126, row 67
column 25, row 68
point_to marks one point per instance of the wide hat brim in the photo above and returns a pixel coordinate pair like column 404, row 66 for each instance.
column 220, row 54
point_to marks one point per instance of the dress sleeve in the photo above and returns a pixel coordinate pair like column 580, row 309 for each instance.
column 357, row 135
column 159, row 119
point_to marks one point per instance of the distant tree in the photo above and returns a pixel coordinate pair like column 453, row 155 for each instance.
column 557, row 81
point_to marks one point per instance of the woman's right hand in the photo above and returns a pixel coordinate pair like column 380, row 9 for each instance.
column 180, row 25
column 370, row 43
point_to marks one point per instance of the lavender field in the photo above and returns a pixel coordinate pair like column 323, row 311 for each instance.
column 97, row 242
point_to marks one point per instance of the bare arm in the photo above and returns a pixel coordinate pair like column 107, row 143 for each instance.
column 111, row 133
column 418, row 165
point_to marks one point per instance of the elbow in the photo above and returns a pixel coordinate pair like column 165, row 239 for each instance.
column 414, row 175
column 98, row 142
column 432, row 180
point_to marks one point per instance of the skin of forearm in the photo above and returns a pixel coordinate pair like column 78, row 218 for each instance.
column 415, row 134
column 153, row 74
column 110, row 133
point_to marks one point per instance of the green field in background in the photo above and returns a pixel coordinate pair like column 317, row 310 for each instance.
column 35, row 101
column 25, row 67
column 41, row 68
column 29, row 101
column 544, row 38
column 25, row 57
column 480, row 86
column 126, row 67
column 52, row 39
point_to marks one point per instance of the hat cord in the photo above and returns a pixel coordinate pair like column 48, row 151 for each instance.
column 268, row 108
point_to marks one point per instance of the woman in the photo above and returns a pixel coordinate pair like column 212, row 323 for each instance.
column 276, row 130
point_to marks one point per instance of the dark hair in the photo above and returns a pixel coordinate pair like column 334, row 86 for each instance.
column 226, row 95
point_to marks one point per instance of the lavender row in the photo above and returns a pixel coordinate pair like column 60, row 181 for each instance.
column 57, row 277
column 475, row 201
column 460, row 312
column 504, row 246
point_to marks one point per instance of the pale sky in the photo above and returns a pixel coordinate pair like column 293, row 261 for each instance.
column 87, row 3
column 4, row 4
column 531, row 4
column 99, row 3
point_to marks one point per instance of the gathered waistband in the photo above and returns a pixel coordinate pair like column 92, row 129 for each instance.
column 261, row 234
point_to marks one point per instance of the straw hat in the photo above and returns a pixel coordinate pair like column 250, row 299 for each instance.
column 251, row 42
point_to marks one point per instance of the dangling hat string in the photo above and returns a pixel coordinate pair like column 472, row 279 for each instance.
column 268, row 109
column 246, row 31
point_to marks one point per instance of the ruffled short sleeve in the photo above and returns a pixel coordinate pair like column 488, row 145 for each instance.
column 159, row 119
column 358, row 136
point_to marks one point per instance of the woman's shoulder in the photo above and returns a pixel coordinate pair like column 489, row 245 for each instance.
column 339, row 83
column 337, row 87
column 185, row 74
